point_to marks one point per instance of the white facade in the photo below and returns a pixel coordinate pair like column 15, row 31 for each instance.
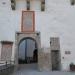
column 58, row 20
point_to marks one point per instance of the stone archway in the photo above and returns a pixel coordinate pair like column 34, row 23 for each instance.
column 20, row 36
column 27, row 51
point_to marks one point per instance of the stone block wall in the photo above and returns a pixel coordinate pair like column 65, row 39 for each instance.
column 44, row 61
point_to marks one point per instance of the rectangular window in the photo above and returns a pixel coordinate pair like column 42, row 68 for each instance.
column 6, row 51
column 28, row 21
column 54, row 43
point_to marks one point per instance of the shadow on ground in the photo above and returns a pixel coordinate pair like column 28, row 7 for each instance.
column 7, row 71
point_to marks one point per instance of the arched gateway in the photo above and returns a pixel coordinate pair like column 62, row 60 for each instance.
column 28, row 32
column 20, row 36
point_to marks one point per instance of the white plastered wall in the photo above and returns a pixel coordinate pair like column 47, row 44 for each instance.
column 58, row 20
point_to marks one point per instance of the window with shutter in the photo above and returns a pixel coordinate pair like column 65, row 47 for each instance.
column 6, row 51
column 72, row 2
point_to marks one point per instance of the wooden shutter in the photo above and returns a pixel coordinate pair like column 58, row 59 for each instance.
column 6, row 51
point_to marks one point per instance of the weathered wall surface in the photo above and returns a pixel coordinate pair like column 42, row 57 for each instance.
column 58, row 20
column 44, row 60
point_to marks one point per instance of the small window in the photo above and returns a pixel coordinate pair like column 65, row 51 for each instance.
column 67, row 52
column 12, row 0
column 28, row 4
column 55, row 43
column 13, row 4
column 43, row 5
column 72, row 2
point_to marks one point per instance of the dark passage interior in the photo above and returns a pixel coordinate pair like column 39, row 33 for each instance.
column 55, row 58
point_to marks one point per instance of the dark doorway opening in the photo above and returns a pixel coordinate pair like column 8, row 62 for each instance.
column 55, row 58
column 28, row 51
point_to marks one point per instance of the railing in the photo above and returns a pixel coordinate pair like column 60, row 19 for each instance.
column 6, row 64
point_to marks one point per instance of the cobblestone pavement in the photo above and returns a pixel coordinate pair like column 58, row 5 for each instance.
column 31, row 70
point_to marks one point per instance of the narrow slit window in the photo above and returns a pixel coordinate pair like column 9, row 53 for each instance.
column 28, row 4
column 43, row 5
column 13, row 4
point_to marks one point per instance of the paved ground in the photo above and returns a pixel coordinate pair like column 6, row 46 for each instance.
column 32, row 70
column 6, row 70
column 44, row 73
